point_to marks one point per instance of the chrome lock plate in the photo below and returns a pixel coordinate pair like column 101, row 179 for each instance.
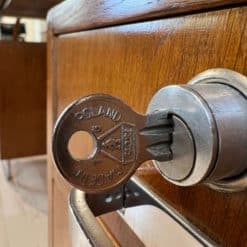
column 195, row 133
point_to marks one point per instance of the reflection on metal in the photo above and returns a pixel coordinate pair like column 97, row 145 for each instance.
column 238, row 82
column 85, row 207
column 124, row 139
column 213, row 106
column 234, row 184
column 86, row 220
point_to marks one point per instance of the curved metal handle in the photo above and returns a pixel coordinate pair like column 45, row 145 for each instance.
column 85, row 207
column 87, row 220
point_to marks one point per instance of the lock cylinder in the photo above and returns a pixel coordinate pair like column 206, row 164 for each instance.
column 195, row 133
column 210, row 130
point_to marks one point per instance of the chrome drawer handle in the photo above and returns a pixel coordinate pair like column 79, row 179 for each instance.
column 85, row 207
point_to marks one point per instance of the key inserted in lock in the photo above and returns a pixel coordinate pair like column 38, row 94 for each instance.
column 123, row 140
column 195, row 133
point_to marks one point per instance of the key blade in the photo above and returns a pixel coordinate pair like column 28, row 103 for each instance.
column 156, row 136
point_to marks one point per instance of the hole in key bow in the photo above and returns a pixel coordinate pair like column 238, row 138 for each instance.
column 82, row 145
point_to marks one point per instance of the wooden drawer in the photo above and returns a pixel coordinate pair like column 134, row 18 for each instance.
column 22, row 99
column 133, row 61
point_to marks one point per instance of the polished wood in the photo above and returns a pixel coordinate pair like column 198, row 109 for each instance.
column 115, row 225
column 59, row 233
column 22, row 99
column 133, row 62
column 66, row 17
column 27, row 8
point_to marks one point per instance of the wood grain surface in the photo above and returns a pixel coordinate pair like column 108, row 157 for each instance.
column 133, row 62
column 22, row 99
column 27, row 8
column 78, row 15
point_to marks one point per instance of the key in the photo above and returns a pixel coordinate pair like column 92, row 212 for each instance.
column 123, row 140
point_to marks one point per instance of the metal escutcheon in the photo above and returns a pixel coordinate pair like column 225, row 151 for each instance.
column 211, row 113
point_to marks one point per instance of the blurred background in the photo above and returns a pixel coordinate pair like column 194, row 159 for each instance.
column 23, row 183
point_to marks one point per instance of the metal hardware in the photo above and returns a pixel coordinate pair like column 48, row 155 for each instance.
column 85, row 207
column 214, row 107
column 123, row 140
column 183, row 155
column 195, row 133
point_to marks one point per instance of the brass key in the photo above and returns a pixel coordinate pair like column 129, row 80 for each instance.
column 123, row 140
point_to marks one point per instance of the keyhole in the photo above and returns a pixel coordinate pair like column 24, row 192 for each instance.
column 82, row 145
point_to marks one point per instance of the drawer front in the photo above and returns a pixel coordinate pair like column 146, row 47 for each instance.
column 22, row 99
column 134, row 61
